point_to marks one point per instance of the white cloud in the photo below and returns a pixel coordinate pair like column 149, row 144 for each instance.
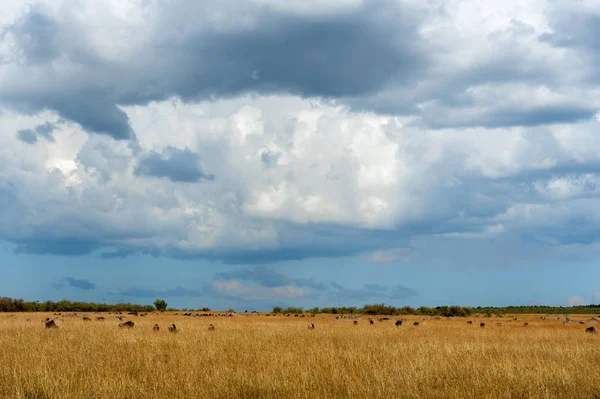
column 489, row 135
column 237, row 290
column 576, row 301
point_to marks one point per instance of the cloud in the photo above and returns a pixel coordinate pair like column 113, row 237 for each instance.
column 270, row 278
column 236, row 290
column 82, row 284
column 273, row 50
column 174, row 164
column 401, row 292
column 576, row 301
column 375, row 287
column 156, row 293
column 27, row 136
column 30, row 136
column 394, row 129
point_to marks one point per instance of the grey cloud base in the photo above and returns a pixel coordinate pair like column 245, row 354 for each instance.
column 372, row 55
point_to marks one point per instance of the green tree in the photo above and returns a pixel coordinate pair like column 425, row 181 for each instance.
column 160, row 305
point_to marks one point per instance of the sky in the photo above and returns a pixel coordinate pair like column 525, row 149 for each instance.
column 260, row 153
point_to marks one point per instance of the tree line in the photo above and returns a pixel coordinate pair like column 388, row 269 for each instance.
column 382, row 309
column 19, row 305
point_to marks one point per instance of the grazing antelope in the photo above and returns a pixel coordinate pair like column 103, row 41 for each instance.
column 591, row 330
column 481, row 324
column 85, row 318
column 156, row 328
column 50, row 323
column 470, row 322
column 127, row 324
column 355, row 322
column 371, row 321
column 525, row 324
column 173, row 328
column 416, row 323
column 100, row 318
column 211, row 327
column 311, row 326
column 398, row 323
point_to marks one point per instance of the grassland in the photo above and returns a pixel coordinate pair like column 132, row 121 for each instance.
column 279, row 357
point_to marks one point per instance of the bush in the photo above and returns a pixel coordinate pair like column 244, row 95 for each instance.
column 160, row 305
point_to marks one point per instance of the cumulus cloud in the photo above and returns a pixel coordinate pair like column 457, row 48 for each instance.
column 413, row 133
column 576, row 301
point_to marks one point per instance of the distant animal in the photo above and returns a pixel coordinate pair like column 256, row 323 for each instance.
column 127, row 324
column 50, row 323
column 470, row 322
column 371, row 322
column 525, row 324
column 311, row 326
column 481, row 324
column 398, row 323
column 416, row 323
column 211, row 327
column 85, row 318
column 581, row 322
column 100, row 318
column 156, row 328
column 355, row 322
column 173, row 328
column 591, row 330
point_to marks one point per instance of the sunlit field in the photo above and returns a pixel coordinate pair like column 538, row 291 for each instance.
column 259, row 356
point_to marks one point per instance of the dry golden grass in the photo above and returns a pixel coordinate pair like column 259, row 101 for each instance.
column 280, row 357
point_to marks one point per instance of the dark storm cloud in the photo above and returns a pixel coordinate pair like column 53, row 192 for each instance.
column 174, row 164
column 350, row 53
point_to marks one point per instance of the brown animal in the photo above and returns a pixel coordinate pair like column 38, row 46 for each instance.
column 311, row 326
column 591, row 330
column 470, row 322
column 85, row 318
column 371, row 322
column 416, row 323
column 50, row 323
column 156, row 328
column 525, row 324
column 173, row 328
column 355, row 322
column 127, row 324
column 398, row 323
column 481, row 324
column 211, row 327
column 100, row 318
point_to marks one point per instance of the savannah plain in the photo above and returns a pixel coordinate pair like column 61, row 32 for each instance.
column 258, row 356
